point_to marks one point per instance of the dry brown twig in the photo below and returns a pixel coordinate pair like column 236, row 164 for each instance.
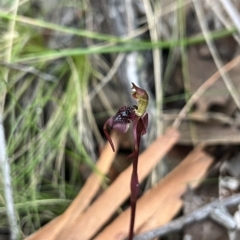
column 29, row 69
column 196, row 216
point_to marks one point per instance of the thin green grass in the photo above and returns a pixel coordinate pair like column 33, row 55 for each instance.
column 44, row 147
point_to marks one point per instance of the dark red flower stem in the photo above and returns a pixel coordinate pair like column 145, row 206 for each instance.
column 134, row 194
column 138, row 128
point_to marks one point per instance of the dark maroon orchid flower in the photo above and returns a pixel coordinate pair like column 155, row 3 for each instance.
column 120, row 122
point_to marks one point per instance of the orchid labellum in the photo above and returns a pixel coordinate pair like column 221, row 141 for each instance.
column 120, row 122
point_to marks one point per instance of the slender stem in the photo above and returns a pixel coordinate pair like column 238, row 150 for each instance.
column 134, row 194
column 134, row 186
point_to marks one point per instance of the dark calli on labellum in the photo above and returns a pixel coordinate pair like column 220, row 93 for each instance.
column 120, row 122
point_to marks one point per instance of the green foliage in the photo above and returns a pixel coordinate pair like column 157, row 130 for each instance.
column 40, row 118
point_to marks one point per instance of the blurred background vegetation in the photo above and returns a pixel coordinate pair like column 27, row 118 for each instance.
column 65, row 66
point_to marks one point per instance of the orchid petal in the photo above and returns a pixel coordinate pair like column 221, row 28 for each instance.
column 121, row 127
column 108, row 123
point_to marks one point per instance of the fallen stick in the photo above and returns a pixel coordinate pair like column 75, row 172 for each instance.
column 196, row 216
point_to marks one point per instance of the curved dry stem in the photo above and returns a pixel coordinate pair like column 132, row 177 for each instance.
column 209, row 82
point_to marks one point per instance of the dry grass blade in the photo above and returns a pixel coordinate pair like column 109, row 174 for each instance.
column 157, row 61
column 85, row 196
column 108, row 77
column 29, row 69
column 5, row 165
column 7, row 182
column 218, row 11
column 232, row 12
column 157, row 206
column 216, row 57
column 87, row 224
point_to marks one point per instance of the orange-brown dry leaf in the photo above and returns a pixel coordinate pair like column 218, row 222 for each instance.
column 87, row 225
column 158, row 205
column 85, row 196
column 195, row 166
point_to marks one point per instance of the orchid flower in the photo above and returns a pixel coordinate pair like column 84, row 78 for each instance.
column 120, row 122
